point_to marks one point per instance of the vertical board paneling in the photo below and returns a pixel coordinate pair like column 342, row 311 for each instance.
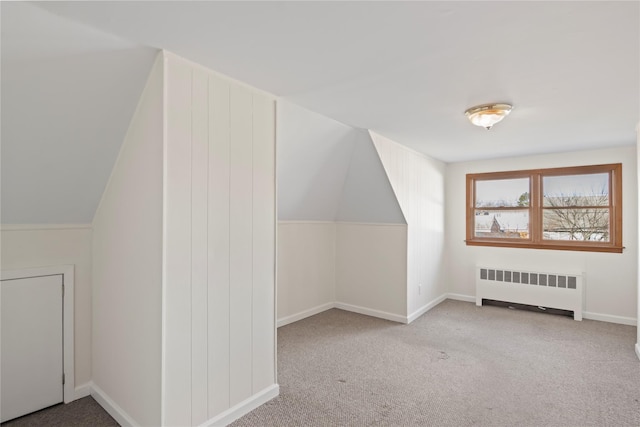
column 219, row 284
column 176, row 384
column 418, row 184
column 199, row 246
column 218, row 315
column 263, row 242
column 241, row 275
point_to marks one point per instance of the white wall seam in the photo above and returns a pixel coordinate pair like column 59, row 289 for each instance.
column 253, row 220
column 229, row 231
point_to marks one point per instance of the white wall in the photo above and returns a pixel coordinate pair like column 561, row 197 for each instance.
column 127, row 267
column 354, row 266
column 418, row 183
column 26, row 246
column 306, row 269
column 219, row 244
column 371, row 269
column 611, row 279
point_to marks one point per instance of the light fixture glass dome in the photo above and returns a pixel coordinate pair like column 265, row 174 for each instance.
column 487, row 115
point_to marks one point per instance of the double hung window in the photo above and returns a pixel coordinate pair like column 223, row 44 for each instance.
column 575, row 208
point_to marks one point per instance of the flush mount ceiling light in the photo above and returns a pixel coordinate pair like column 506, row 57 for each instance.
column 487, row 115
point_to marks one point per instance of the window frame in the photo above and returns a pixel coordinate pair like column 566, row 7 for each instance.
column 536, row 209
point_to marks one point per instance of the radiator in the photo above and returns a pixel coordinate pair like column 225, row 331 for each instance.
column 553, row 290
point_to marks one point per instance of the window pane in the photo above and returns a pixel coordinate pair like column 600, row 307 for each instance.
column 502, row 224
column 576, row 224
column 502, row 192
column 576, row 190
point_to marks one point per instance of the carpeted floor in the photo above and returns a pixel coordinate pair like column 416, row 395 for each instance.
column 83, row 412
column 458, row 365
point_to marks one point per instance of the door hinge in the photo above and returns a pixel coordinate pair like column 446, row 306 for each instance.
column 63, row 379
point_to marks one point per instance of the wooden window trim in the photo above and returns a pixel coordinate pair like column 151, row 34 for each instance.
column 536, row 208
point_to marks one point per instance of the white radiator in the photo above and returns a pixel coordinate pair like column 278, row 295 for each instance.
column 553, row 290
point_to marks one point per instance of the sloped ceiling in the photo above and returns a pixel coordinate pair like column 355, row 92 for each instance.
column 328, row 171
column 72, row 73
column 313, row 155
column 367, row 194
column 68, row 93
column 408, row 70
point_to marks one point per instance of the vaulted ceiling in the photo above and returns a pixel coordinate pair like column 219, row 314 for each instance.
column 72, row 73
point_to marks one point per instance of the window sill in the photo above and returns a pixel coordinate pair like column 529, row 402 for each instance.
column 561, row 246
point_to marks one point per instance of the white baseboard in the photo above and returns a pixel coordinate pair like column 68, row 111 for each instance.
column 638, row 350
column 371, row 312
column 422, row 310
column 112, row 407
column 610, row 318
column 461, row 297
column 243, row 408
column 83, row 390
column 306, row 313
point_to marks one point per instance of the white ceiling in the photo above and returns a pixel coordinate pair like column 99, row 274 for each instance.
column 68, row 94
column 408, row 70
column 72, row 73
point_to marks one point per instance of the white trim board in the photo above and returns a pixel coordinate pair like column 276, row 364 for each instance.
column 112, row 407
column 304, row 314
column 609, row 318
column 422, row 310
column 342, row 306
column 461, row 297
column 243, row 408
column 638, row 350
column 413, row 316
column 83, row 390
column 371, row 312
column 67, row 272
column 585, row 314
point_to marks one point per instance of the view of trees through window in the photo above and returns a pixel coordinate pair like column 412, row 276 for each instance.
column 553, row 205
column 576, row 207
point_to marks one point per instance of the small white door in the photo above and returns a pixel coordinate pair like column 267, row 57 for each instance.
column 32, row 364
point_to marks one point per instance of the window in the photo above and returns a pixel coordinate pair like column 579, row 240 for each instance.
column 576, row 208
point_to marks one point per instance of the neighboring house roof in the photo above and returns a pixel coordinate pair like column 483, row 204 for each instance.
column 502, row 221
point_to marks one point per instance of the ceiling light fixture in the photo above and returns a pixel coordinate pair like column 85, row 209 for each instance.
column 487, row 115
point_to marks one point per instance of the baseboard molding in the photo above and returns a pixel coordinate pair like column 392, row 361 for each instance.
column 83, row 390
column 422, row 310
column 585, row 314
column 112, row 407
column 610, row 318
column 306, row 313
column 461, row 297
column 371, row 312
column 243, row 408
column 638, row 350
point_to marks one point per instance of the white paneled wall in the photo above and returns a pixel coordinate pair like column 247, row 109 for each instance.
column 418, row 182
column 219, row 251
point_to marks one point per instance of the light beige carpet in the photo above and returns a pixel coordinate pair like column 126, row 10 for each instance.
column 458, row 365
column 83, row 412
